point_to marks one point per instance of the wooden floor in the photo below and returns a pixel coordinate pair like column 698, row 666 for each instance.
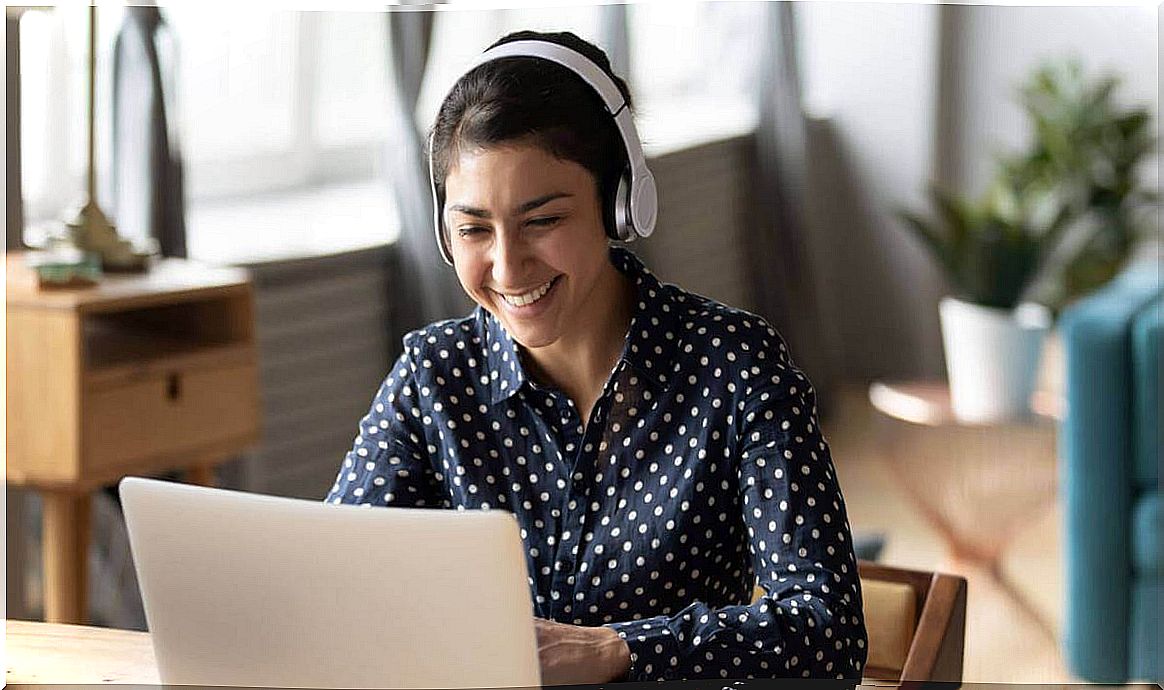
column 1004, row 643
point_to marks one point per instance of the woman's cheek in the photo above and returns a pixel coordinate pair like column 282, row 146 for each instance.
column 470, row 278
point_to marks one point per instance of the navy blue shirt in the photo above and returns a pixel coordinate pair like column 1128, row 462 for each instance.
column 701, row 472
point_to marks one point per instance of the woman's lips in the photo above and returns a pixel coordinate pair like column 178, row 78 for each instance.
column 531, row 309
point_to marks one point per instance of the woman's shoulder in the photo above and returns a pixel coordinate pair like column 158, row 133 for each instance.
column 441, row 333
column 710, row 325
column 748, row 349
column 699, row 320
column 444, row 345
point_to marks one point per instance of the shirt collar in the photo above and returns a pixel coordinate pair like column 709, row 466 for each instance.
column 504, row 373
column 650, row 341
column 653, row 335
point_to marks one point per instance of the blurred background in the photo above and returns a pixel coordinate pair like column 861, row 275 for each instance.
column 836, row 167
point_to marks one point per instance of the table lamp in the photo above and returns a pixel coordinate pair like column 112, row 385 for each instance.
column 89, row 229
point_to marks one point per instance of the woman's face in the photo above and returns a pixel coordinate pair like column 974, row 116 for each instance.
column 526, row 236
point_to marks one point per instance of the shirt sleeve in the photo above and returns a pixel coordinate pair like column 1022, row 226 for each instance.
column 809, row 622
column 388, row 464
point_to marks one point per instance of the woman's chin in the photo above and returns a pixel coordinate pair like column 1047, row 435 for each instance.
column 531, row 337
column 529, row 333
column 533, row 325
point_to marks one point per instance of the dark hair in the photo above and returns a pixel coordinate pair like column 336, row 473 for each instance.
column 537, row 101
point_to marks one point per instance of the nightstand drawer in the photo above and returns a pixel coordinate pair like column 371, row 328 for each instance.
column 168, row 413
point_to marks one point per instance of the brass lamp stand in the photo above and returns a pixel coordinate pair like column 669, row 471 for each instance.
column 89, row 228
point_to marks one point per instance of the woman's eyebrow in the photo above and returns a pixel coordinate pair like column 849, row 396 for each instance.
column 525, row 207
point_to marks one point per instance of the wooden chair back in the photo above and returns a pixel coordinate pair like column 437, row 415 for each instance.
column 916, row 622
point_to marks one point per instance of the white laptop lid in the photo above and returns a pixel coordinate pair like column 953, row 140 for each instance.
column 250, row 590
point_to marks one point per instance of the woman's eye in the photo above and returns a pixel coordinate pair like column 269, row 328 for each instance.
column 469, row 230
column 546, row 221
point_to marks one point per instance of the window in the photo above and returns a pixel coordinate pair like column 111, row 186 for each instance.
column 282, row 114
column 694, row 68
column 279, row 100
column 693, row 65
column 284, row 121
column 279, row 112
column 53, row 57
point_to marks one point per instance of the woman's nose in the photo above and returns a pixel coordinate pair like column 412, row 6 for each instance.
column 510, row 255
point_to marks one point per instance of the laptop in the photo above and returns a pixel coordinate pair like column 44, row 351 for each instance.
column 250, row 590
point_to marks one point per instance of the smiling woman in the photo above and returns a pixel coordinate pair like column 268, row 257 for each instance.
column 539, row 263
column 660, row 450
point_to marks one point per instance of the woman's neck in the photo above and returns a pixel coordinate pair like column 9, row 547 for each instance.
column 580, row 362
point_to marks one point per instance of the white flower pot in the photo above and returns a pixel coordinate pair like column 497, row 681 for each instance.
column 992, row 358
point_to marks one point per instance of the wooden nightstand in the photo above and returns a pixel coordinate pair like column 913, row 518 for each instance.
column 141, row 374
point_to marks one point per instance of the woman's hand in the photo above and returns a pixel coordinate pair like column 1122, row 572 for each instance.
column 573, row 654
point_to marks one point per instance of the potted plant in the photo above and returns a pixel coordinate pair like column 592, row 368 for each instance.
column 1058, row 220
column 992, row 252
column 1093, row 150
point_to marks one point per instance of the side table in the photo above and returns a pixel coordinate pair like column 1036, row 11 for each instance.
column 976, row 485
column 141, row 374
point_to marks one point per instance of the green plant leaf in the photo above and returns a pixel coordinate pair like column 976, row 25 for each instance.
column 1082, row 162
column 934, row 239
column 958, row 215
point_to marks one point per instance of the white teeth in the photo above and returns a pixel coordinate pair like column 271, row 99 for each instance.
column 529, row 297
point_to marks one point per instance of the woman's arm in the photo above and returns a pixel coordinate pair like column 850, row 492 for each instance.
column 387, row 465
column 809, row 623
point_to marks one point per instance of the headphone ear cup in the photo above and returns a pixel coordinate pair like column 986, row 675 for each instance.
column 609, row 206
column 620, row 208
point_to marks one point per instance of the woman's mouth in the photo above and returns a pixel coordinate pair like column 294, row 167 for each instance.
column 528, row 300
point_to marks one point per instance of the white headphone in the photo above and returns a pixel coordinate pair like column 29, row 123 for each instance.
column 636, row 200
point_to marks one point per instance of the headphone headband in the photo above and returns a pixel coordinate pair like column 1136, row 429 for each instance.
column 636, row 200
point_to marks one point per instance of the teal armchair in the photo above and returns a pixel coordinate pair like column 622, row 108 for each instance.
column 1110, row 445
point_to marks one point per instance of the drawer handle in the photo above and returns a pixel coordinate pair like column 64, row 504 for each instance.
column 173, row 387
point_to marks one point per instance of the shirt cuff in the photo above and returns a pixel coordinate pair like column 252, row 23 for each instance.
column 654, row 651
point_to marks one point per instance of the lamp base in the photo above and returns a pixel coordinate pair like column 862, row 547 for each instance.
column 91, row 231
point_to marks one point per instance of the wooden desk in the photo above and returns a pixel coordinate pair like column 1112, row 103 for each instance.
column 76, row 654
column 141, row 374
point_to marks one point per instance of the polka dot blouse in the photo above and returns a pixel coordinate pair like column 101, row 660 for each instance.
column 701, row 472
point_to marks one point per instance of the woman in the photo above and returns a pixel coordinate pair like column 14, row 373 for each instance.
column 660, row 450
